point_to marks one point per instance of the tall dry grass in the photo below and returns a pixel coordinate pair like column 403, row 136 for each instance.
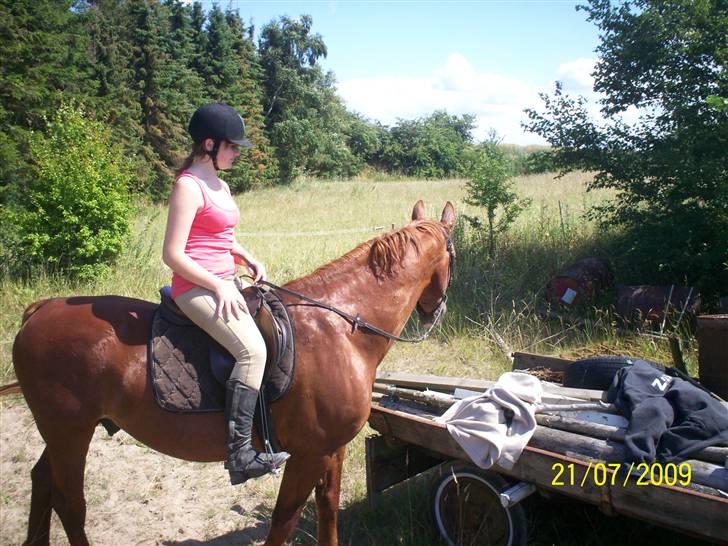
column 297, row 228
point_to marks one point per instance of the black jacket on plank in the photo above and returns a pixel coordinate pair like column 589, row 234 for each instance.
column 669, row 418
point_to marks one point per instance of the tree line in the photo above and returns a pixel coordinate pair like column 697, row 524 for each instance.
column 97, row 93
column 141, row 67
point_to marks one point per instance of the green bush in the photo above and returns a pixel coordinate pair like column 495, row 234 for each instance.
column 75, row 216
column 489, row 186
column 429, row 147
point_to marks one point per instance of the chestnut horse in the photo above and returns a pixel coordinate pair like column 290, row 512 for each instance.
column 81, row 360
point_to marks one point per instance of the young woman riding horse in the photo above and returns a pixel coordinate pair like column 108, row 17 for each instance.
column 200, row 248
column 95, row 369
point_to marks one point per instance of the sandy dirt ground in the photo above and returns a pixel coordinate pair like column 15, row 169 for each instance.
column 134, row 495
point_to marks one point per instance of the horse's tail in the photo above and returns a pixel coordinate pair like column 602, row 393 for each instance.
column 14, row 387
column 32, row 308
column 10, row 388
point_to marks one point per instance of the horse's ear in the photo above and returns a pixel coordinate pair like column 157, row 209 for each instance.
column 418, row 213
column 448, row 215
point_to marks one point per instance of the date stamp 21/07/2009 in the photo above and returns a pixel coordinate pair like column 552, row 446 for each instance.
column 618, row 474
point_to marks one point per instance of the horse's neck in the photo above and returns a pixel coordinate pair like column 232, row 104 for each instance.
column 385, row 303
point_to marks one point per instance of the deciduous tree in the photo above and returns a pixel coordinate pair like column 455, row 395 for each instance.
column 489, row 173
column 664, row 60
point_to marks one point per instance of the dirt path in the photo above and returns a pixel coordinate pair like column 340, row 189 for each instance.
column 134, row 495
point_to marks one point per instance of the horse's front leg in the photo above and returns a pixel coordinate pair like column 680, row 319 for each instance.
column 327, row 499
column 301, row 474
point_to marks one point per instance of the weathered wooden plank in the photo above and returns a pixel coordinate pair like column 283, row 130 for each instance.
column 582, row 394
column 526, row 361
column 416, row 430
column 684, row 509
column 434, row 398
column 715, row 455
column 438, row 399
column 586, row 428
column 697, row 514
column 449, row 384
column 577, row 445
column 435, row 382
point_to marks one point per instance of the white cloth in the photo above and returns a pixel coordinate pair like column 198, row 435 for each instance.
column 494, row 427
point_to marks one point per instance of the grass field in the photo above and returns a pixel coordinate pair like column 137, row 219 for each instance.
column 295, row 229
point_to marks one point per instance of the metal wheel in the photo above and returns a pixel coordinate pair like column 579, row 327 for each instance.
column 468, row 512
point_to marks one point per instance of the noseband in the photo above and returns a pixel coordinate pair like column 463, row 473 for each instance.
column 358, row 323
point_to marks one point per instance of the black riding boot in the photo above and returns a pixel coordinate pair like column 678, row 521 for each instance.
column 243, row 461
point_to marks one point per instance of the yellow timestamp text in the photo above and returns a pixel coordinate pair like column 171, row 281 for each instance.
column 610, row 474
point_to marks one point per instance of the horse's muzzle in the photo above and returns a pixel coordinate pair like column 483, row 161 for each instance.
column 430, row 320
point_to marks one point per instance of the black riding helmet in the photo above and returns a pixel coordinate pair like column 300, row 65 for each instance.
column 219, row 122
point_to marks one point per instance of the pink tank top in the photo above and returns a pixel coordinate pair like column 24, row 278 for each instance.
column 210, row 241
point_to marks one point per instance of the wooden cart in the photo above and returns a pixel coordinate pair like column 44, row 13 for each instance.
column 475, row 506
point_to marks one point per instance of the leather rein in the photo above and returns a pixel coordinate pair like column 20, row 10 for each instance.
column 358, row 324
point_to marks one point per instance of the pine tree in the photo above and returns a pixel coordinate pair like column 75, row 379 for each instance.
column 259, row 165
column 42, row 47
column 220, row 68
column 180, row 47
column 198, row 38
column 116, row 101
column 225, row 63
column 149, row 63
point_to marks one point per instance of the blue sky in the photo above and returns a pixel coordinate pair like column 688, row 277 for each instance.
column 405, row 59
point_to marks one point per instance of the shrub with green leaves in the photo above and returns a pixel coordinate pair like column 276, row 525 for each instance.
column 75, row 218
column 490, row 187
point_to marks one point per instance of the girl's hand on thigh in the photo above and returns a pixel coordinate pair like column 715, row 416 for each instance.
column 230, row 302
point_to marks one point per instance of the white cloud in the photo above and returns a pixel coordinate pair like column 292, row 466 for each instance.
column 497, row 101
column 576, row 76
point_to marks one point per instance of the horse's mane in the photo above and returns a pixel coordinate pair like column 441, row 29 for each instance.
column 384, row 253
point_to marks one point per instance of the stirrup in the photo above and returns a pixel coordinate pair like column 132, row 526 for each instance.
column 276, row 468
column 272, row 468
column 264, row 467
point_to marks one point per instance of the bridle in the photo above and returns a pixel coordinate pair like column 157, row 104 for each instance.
column 441, row 304
column 358, row 324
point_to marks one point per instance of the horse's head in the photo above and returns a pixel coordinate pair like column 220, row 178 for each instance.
column 431, row 305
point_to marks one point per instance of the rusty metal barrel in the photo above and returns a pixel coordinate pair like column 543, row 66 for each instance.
column 580, row 282
column 652, row 303
column 713, row 353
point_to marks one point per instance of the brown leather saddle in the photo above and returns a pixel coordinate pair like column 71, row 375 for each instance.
column 189, row 369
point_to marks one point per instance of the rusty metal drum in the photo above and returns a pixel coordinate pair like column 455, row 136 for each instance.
column 713, row 353
column 580, row 282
